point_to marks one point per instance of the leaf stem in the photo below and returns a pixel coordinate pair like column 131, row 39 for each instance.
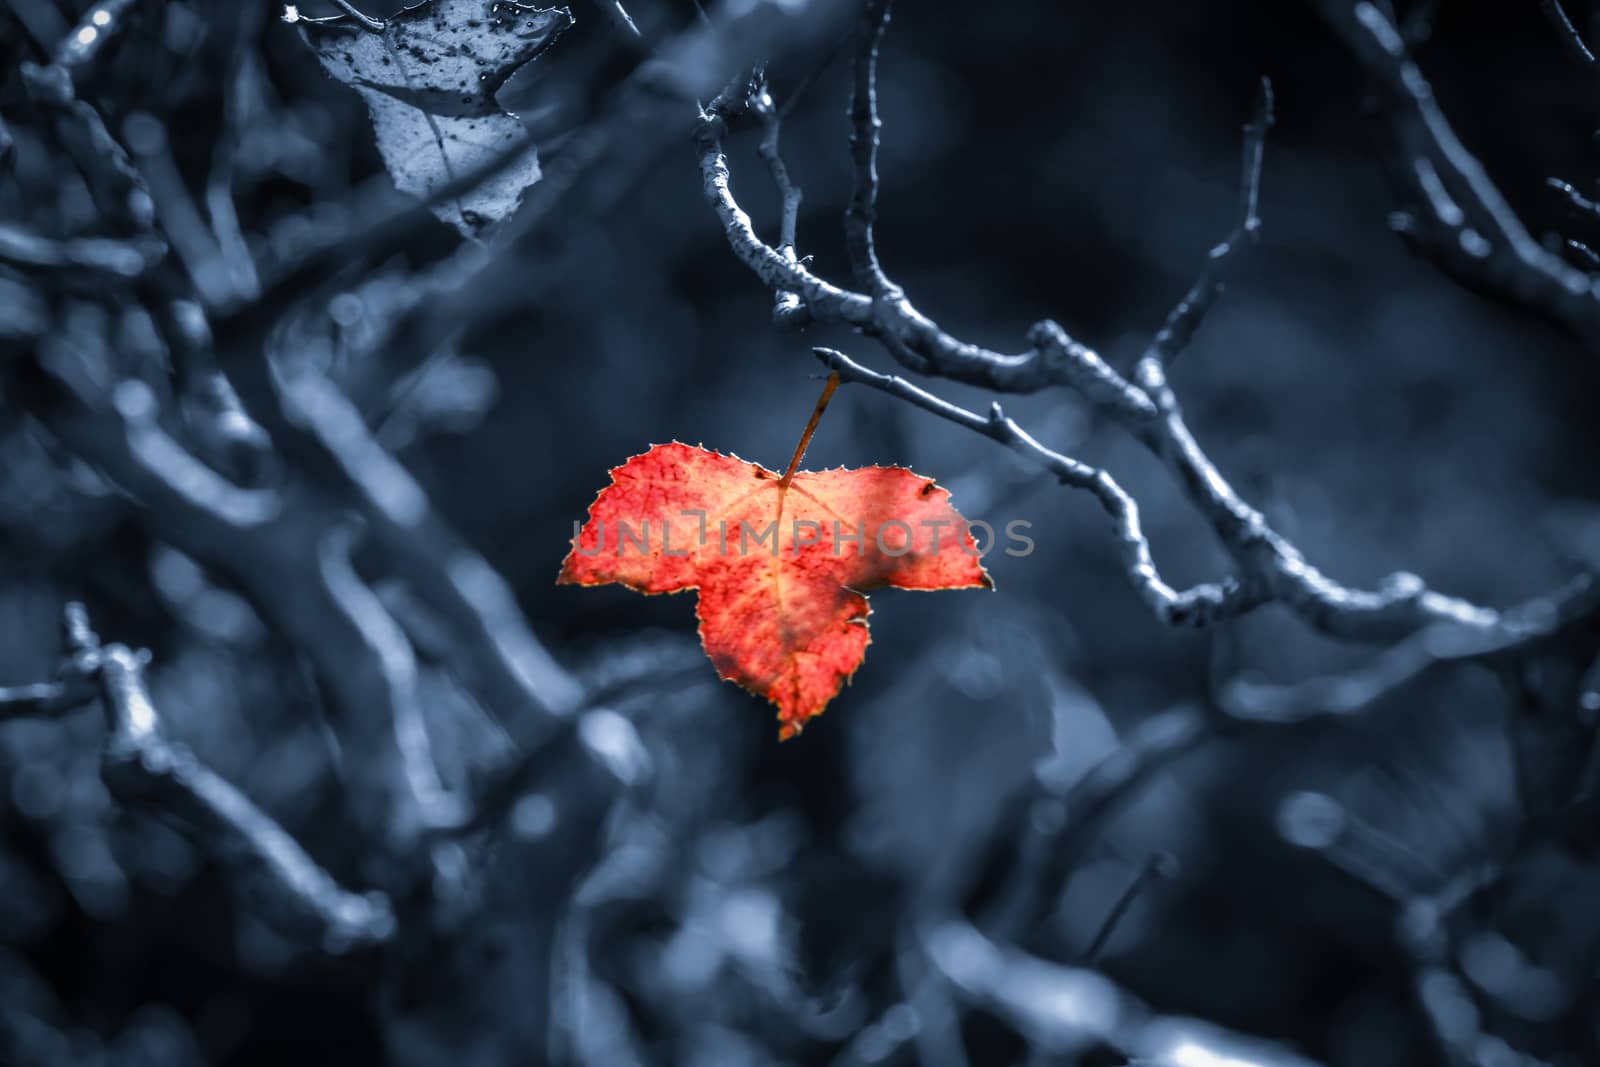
column 811, row 428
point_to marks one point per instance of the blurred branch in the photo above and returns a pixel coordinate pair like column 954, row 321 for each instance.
column 116, row 187
column 289, row 553
column 497, row 650
column 104, row 255
column 43, row 699
column 635, row 122
column 654, row 673
column 1068, row 1011
column 1048, row 850
column 1045, row 830
column 1356, row 691
column 177, row 212
column 99, row 25
column 1440, row 995
column 499, row 655
column 1574, row 198
column 487, row 640
column 141, row 766
column 243, row 327
column 228, row 438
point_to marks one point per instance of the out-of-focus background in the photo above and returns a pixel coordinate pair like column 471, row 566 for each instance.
column 752, row 905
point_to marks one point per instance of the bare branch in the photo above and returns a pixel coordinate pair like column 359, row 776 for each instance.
column 1401, row 605
column 1467, row 227
column 915, row 340
column 788, row 309
column 1200, row 606
column 1271, row 567
column 774, row 269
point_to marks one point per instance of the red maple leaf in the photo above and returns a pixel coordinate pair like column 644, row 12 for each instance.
column 780, row 563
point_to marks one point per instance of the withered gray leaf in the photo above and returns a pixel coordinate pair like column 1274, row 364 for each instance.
column 429, row 80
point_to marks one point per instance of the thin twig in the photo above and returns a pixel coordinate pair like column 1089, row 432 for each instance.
column 915, row 340
column 1161, row 865
column 1566, row 30
column 1204, row 604
column 1176, row 333
column 865, row 125
column 619, row 16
